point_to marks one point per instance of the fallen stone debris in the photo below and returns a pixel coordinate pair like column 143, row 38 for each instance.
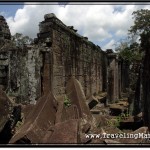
column 50, row 121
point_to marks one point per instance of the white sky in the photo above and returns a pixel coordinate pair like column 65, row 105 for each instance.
column 104, row 25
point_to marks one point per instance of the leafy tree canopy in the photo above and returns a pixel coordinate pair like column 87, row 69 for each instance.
column 141, row 22
column 131, row 50
column 20, row 40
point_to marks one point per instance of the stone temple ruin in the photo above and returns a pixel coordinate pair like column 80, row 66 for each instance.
column 61, row 81
column 58, row 53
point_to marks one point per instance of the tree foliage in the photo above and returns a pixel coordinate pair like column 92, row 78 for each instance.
column 129, row 52
column 20, row 40
column 141, row 27
column 132, row 51
column 141, row 22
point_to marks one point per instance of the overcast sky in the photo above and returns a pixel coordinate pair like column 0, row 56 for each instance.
column 104, row 25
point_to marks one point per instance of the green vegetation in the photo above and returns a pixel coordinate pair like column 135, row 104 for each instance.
column 18, row 124
column 130, row 50
column 118, row 119
column 67, row 101
column 141, row 22
column 141, row 28
column 20, row 40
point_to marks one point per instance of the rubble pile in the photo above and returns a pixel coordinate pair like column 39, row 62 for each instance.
column 52, row 121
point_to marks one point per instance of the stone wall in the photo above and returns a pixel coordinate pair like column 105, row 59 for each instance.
column 72, row 55
column 57, row 54
column 4, row 29
column 4, row 34
column 23, row 74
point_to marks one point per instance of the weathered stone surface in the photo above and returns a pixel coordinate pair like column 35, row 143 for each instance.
column 95, row 111
column 143, row 129
column 111, row 130
column 61, row 114
column 72, row 112
column 130, row 123
column 40, row 119
column 65, row 112
column 72, row 57
column 146, row 79
column 65, row 132
column 102, row 120
column 138, row 117
column 46, row 77
column 117, row 109
column 113, row 77
column 4, row 29
column 16, row 116
column 101, row 95
column 102, row 99
column 92, row 102
column 99, row 106
column 138, row 99
column 5, row 108
column 86, row 127
column 58, row 54
column 123, row 103
column 49, row 16
column 65, row 54
column 8, row 118
column 76, row 95
column 105, row 130
column 26, row 109
column 135, row 139
column 84, row 140
column 127, row 123
column 5, row 44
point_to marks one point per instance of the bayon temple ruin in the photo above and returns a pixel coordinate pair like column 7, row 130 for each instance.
column 61, row 81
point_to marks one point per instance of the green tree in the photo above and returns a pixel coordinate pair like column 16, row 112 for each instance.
column 141, row 27
column 141, row 22
column 20, row 40
column 134, row 53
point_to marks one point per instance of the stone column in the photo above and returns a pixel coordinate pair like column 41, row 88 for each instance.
column 47, row 73
column 146, row 79
column 110, row 87
column 113, row 77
